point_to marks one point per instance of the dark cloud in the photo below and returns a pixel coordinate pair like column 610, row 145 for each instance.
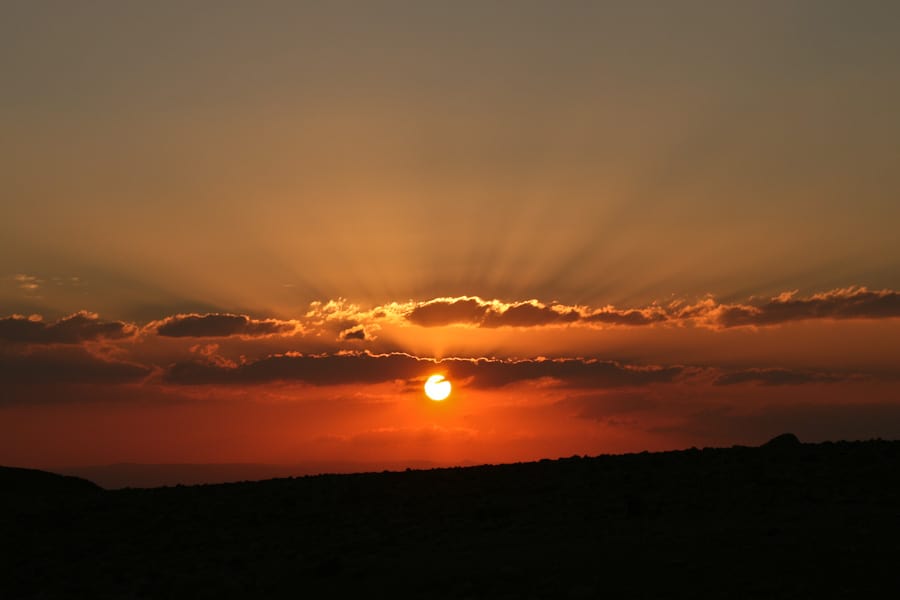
column 447, row 312
column 355, row 333
column 571, row 372
column 312, row 369
column 475, row 311
column 776, row 377
column 849, row 303
column 368, row 368
column 74, row 329
column 220, row 325
column 626, row 317
column 528, row 315
column 71, row 365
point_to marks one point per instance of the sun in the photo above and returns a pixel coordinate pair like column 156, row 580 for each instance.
column 437, row 388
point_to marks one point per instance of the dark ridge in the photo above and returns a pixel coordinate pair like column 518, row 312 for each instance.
column 818, row 521
column 134, row 475
column 783, row 441
column 14, row 480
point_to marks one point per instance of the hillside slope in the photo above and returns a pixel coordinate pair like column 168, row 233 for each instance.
column 31, row 482
column 782, row 520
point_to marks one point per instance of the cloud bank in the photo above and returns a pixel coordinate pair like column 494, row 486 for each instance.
column 73, row 329
column 473, row 311
column 364, row 367
column 72, row 365
column 778, row 377
column 350, row 323
column 221, row 325
column 848, row 303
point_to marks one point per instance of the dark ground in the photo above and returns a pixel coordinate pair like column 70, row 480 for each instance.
column 785, row 520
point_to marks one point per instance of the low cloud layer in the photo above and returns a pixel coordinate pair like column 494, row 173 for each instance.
column 221, row 325
column 309, row 349
column 363, row 367
column 531, row 313
column 778, row 377
column 74, row 329
column 846, row 303
column 849, row 303
column 346, row 322
column 72, row 365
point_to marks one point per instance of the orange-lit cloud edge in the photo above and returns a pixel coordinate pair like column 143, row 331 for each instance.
column 611, row 378
column 338, row 331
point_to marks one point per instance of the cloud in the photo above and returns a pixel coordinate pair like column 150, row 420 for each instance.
column 66, row 366
column 358, row 333
column 846, row 303
column 356, row 367
column 447, row 311
column 777, row 377
column 313, row 369
column 634, row 316
column 472, row 310
column 574, row 372
column 74, row 329
column 529, row 314
column 29, row 283
column 211, row 355
column 347, row 322
column 221, row 325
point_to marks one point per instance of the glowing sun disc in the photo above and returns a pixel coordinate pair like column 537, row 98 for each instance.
column 437, row 388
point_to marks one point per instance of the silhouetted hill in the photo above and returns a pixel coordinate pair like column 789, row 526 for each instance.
column 783, row 520
column 784, row 441
column 121, row 475
column 29, row 482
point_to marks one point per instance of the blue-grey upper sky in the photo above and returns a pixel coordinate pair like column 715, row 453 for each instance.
column 172, row 156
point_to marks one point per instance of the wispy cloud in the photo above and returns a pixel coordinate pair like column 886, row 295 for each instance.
column 29, row 283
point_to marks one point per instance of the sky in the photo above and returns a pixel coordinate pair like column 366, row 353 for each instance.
column 247, row 232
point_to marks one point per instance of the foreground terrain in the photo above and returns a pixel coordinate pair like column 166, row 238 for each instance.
column 782, row 520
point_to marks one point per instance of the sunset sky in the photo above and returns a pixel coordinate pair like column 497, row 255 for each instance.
column 249, row 231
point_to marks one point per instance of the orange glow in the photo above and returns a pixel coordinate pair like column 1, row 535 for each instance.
column 397, row 259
